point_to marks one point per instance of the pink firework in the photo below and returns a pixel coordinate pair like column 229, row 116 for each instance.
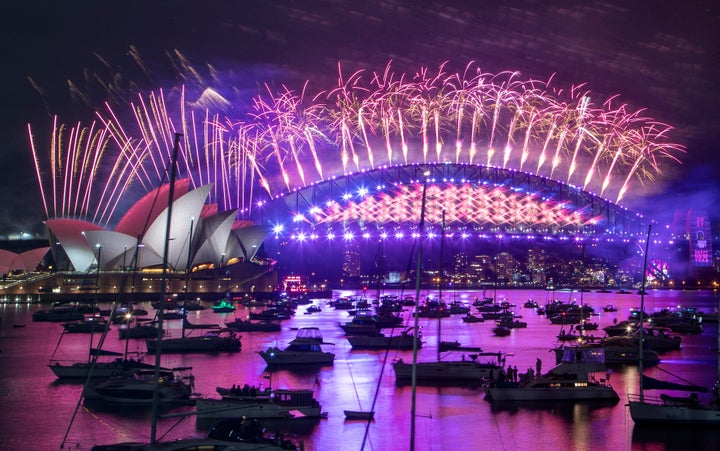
column 290, row 139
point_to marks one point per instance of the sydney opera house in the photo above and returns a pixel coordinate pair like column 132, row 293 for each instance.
column 208, row 251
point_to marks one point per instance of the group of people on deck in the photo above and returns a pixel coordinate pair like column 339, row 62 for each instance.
column 511, row 374
column 247, row 390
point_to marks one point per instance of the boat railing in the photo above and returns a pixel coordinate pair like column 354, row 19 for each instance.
column 635, row 397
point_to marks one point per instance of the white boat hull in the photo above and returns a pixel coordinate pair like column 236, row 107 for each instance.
column 651, row 413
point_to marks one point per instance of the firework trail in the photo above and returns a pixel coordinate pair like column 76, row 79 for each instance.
column 287, row 140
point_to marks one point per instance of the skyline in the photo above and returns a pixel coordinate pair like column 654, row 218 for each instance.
column 276, row 55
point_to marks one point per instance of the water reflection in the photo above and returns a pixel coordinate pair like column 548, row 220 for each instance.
column 666, row 437
column 570, row 411
column 449, row 416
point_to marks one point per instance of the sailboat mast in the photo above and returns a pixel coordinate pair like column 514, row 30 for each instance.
column 187, row 276
column 582, row 291
column 97, row 289
column 163, row 284
column 440, row 298
column 642, row 313
column 416, row 327
column 380, row 263
column 134, row 263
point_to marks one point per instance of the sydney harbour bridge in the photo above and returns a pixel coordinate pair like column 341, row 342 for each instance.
column 468, row 200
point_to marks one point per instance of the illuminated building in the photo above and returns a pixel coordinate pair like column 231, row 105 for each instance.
column 351, row 261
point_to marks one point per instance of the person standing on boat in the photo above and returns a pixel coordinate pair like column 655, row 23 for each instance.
column 538, row 367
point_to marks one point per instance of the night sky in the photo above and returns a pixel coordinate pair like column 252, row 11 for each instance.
column 663, row 56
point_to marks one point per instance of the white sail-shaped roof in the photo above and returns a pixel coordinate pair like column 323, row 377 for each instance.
column 185, row 213
column 116, row 249
column 70, row 234
column 213, row 237
column 249, row 239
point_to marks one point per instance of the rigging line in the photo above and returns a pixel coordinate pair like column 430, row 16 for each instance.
column 92, row 357
column 377, row 391
column 163, row 285
column 52, row 357
column 500, row 434
column 180, row 420
column 117, row 428
column 88, row 378
column 103, row 336
column 181, row 253
column 357, row 396
column 674, row 375
column 642, row 312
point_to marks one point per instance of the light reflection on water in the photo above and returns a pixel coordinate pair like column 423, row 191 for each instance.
column 36, row 409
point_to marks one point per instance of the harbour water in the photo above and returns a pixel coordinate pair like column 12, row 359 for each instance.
column 36, row 410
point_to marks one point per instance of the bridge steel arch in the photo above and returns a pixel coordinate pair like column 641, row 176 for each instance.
column 306, row 210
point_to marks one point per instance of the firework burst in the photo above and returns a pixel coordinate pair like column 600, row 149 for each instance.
column 288, row 140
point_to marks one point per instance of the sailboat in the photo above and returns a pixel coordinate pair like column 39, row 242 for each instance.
column 464, row 370
column 236, row 436
column 137, row 389
column 666, row 409
column 219, row 340
column 98, row 370
column 365, row 415
column 94, row 368
column 156, row 388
